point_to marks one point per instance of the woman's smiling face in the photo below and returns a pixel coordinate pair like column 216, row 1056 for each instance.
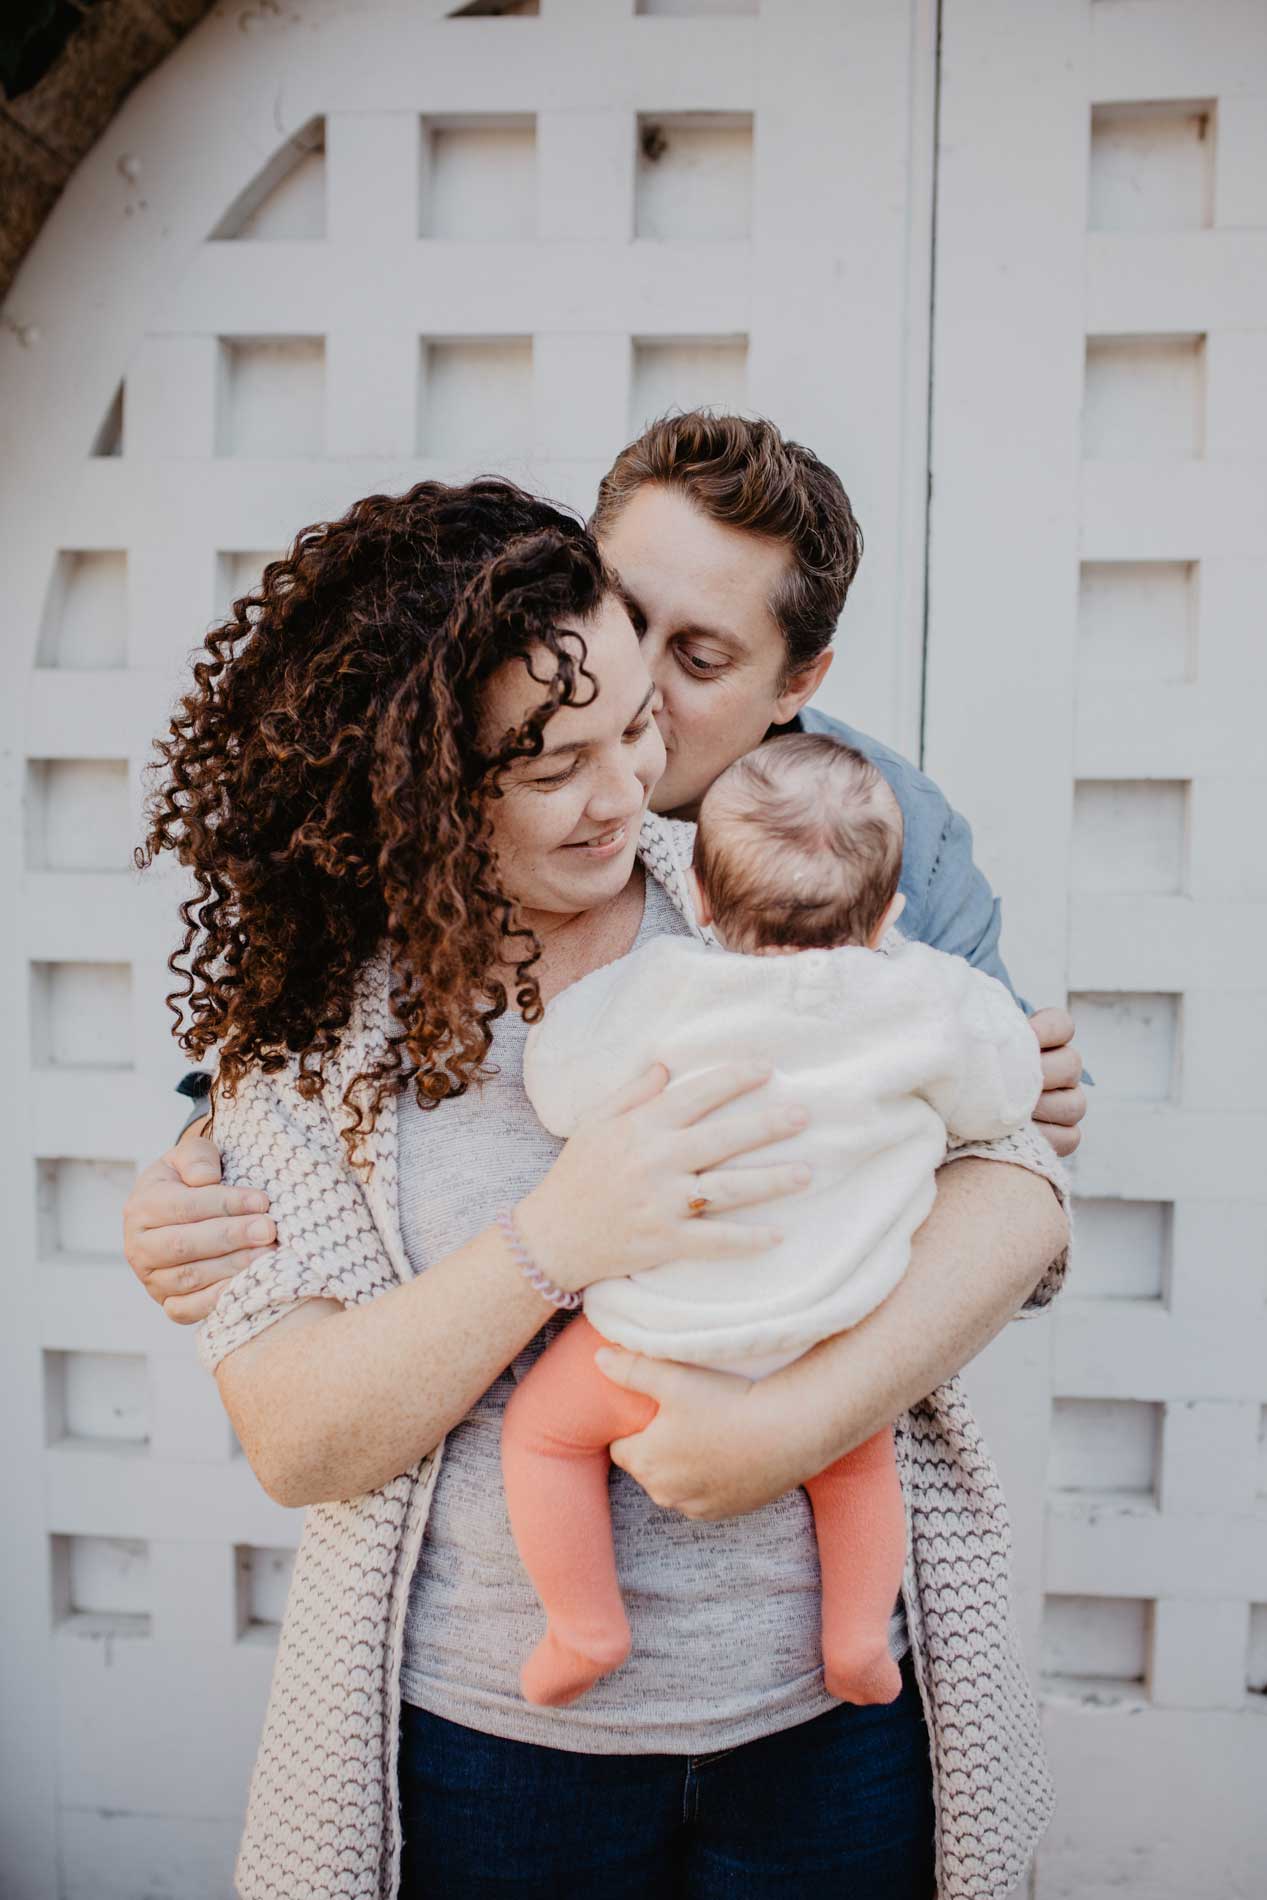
column 566, row 829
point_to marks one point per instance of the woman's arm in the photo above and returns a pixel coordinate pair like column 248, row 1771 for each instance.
column 333, row 1401
column 337, row 1376
column 720, row 1446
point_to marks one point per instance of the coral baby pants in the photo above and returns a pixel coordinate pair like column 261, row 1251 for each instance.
column 555, row 1436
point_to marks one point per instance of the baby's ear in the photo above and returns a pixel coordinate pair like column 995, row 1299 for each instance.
column 888, row 920
column 703, row 913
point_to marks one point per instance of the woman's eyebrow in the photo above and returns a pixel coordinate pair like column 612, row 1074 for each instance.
column 578, row 745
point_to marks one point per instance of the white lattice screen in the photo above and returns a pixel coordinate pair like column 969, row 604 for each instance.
column 1103, row 521
column 325, row 250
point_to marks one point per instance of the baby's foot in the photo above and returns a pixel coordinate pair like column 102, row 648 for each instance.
column 863, row 1677
column 556, row 1673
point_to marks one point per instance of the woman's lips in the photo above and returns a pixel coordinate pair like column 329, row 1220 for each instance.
column 604, row 844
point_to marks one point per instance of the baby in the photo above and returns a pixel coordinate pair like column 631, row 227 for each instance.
column 891, row 1047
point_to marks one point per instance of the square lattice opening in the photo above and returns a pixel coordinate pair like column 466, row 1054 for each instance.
column 85, row 621
column 686, row 373
column 1137, row 620
column 287, row 199
column 1144, row 399
column 1124, row 1250
column 1097, row 1648
column 101, row 1586
column 1152, row 166
column 694, row 176
column 271, row 397
column 477, row 178
column 262, row 1581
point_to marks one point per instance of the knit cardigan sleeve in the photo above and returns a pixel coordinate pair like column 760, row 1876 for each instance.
column 328, row 1246
column 1028, row 1149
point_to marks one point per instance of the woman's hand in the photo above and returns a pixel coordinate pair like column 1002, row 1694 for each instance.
column 619, row 1198
column 719, row 1446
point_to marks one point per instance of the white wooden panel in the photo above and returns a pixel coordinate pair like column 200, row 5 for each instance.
column 1124, row 744
column 378, row 246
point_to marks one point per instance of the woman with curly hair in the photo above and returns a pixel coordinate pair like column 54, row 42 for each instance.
column 411, row 782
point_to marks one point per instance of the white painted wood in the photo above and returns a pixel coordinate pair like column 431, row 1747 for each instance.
column 1098, row 528
column 356, row 247
column 349, row 248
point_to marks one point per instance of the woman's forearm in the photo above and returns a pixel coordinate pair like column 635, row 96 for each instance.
column 993, row 1231
column 332, row 1402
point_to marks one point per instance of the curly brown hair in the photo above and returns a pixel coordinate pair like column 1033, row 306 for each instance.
column 325, row 782
column 746, row 474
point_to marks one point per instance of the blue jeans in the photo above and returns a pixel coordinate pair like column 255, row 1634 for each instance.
column 838, row 1806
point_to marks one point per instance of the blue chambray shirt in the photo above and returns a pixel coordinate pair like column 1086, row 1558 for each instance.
column 949, row 903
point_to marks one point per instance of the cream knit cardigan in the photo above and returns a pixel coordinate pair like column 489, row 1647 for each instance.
column 322, row 1816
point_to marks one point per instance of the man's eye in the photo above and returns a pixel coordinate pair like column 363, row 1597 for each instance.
column 697, row 665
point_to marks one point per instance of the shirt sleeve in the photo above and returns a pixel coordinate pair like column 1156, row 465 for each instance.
column 1026, row 1148
column 961, row 914
column 328, row 1246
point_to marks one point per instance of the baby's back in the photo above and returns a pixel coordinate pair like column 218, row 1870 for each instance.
column 884, row 1051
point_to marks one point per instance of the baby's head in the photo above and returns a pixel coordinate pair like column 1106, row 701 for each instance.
column 799, row 847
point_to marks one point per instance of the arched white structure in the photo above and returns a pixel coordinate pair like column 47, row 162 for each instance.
column 326, row 249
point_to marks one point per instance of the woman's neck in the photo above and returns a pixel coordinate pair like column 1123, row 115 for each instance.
column 574, row 944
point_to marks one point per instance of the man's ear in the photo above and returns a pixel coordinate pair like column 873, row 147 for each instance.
column 801, row 687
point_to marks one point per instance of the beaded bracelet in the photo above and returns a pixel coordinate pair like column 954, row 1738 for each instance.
column 547, row 1288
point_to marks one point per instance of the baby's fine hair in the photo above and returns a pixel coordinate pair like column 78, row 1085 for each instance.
column 799, row 844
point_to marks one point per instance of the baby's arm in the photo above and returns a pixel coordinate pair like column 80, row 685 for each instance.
column 991, row 1073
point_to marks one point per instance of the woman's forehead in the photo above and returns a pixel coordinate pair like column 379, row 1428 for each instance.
column 612, row 657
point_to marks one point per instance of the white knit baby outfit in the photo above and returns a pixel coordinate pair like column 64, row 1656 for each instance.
column 889, row 1051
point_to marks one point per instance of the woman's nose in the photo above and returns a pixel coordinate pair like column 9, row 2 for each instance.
column 620, row 790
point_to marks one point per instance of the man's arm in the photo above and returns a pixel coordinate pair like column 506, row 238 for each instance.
column 990, row 1240
column 951, row 907
column 720, row 1447
column 184, row 1234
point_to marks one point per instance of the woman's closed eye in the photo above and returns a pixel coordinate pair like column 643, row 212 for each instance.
column 556, row 778
column 629, row 737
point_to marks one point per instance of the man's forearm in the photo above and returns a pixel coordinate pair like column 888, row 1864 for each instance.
column 993, row 1231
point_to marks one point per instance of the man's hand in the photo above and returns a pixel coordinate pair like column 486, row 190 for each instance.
column 717, row 1447
column 1062, row 1104
column 184, row 1235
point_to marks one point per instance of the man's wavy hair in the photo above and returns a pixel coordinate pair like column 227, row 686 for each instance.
column 325, row 783
column 746, row 474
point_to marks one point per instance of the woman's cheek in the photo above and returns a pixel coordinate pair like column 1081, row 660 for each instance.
column 654, row 758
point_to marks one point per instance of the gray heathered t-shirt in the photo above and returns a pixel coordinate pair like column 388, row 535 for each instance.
column 724, row 1616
